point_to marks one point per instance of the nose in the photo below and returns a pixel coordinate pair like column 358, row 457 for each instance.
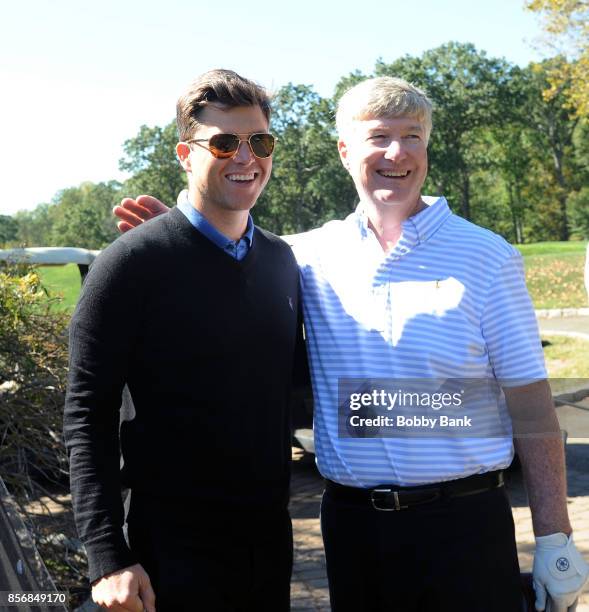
column 395, row 150
column 244, row 153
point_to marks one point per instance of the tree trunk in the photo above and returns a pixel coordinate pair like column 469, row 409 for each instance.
column 562, row 194
column 465, row 194
column 514, row 215
column 558, row 142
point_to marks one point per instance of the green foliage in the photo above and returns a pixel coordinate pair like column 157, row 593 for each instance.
column 309, row 186
column 35, row 226
column 567, row 25
column 33, row 359
column 151, row 158
column 579, row 212
column 470, row 92
column 77, row 217
column 504, row 153
column 551, row 126
column 83, row 215
column 8, row 230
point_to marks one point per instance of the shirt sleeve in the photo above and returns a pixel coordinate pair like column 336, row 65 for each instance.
column 510, row 328
column 101, row 336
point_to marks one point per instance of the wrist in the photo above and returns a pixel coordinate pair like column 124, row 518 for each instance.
column 548, row 530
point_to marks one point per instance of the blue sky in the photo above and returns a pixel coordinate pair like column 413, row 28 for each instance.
column 79, row 78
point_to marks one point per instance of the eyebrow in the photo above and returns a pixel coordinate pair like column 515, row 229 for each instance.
column 416, row 127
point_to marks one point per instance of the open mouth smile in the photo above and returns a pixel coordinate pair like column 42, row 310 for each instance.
column 394, row 174
column 241, row 178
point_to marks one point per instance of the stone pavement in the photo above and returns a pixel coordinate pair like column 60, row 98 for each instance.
column 309, row 584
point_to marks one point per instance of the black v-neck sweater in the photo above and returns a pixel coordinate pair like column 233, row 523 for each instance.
column 205, row 344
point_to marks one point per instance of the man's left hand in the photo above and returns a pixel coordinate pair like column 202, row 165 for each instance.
column 559, row 572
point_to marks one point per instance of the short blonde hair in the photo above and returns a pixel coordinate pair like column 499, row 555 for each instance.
column 382, row 97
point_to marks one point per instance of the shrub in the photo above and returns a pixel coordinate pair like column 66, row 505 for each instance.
column 33, row 362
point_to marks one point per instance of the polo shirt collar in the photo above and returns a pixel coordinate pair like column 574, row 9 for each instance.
column 415, row 230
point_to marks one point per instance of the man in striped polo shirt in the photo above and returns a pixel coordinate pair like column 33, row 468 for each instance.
column 399, row 294
column 403, row 290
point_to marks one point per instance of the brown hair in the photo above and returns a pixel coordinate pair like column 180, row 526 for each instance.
column 220, row 87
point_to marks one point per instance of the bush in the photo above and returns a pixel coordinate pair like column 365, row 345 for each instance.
column 33, row 362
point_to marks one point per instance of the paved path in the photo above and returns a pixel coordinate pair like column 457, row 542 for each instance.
column 568, row 325
column 309, row 584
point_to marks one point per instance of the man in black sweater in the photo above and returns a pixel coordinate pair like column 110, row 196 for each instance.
column 205, row 341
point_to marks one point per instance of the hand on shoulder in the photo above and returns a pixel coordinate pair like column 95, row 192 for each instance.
column 134, row 212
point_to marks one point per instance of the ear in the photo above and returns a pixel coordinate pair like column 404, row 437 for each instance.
column 343, row 154
column 183, row 153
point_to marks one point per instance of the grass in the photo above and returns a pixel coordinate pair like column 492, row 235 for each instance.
column 552, row 248
column 566, row 357
column 62, row 282
column 554, row 275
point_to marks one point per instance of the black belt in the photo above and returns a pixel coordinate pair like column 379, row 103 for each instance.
column 393, row 497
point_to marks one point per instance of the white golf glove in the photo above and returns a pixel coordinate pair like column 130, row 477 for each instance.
column 559, row 571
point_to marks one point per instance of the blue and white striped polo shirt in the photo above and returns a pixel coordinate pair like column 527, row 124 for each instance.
column 449, row 301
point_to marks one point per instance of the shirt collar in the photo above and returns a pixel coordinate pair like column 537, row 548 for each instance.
column 416, row 229
column 201, row 223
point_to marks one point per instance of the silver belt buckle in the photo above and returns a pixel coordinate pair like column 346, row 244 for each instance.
column 387, row 492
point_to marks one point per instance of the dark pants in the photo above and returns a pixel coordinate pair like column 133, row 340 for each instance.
column 454, row 555
column 213, row 559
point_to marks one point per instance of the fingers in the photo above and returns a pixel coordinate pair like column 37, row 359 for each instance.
column 155, row 206
column 559, row 604
column 134, row 212
column 540, row 595
column 123, row 226
column 122, row 591
column 130, row 214
column 121, row 600
column 147, row 595
column 130, row 209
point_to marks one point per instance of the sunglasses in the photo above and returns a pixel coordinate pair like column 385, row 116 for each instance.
column 224, row 146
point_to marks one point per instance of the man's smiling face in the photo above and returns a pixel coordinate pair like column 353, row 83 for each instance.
column 231, row 184
column 387, row 159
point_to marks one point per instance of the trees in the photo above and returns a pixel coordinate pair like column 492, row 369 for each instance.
column 151, row 158
column 309, row 185
column 35, row 226
column 8, row 229
column 505, row 154
column 471, row 93
column 552, row 123
column 83, row 215
column 567, row 21
column 77, row 216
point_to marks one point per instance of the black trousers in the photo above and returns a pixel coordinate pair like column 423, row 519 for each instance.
column 212, row 559
column 455, row 555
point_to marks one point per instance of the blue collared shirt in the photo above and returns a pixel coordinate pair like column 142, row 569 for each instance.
column 237, row 249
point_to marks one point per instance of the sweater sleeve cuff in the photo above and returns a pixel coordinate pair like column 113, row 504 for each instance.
column 107, row 554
